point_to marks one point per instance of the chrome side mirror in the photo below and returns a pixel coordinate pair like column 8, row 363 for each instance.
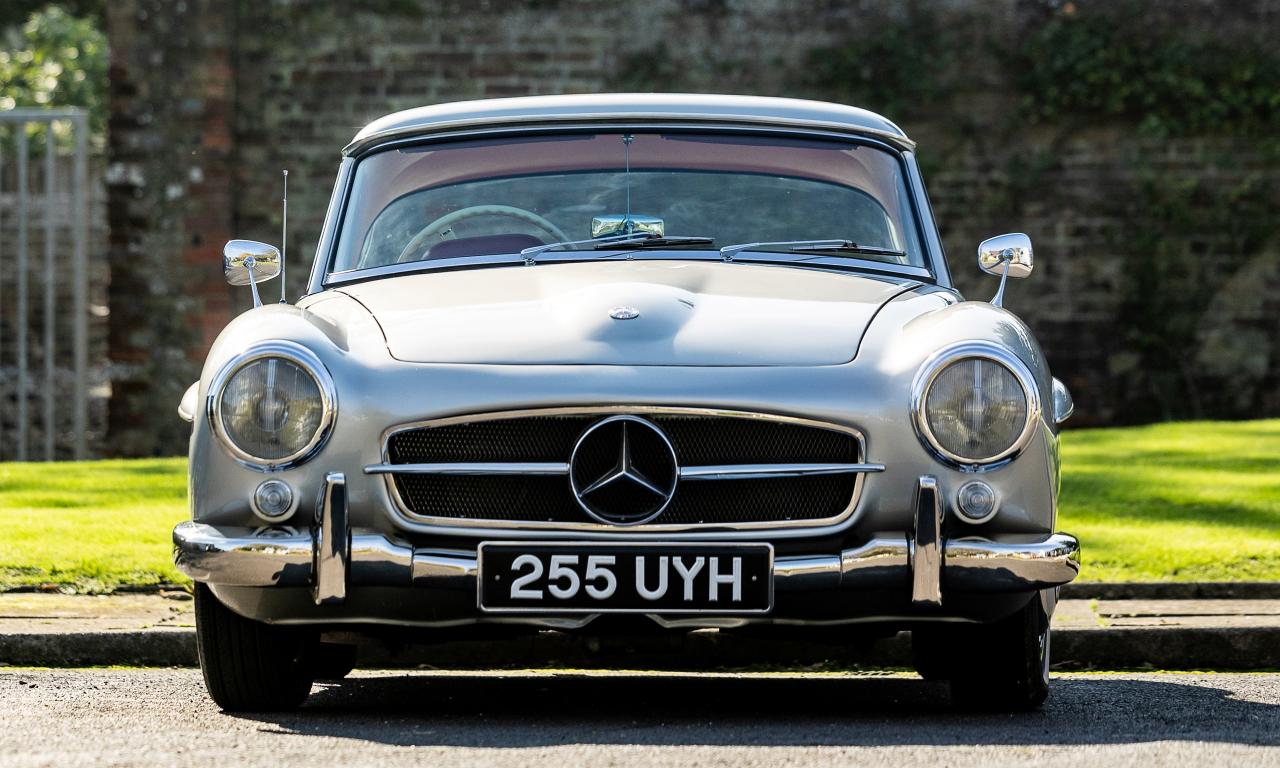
column 248, row 262
column 620, row 224
column 1007, row 256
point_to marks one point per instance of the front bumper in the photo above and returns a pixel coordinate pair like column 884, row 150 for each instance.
column 331, row 556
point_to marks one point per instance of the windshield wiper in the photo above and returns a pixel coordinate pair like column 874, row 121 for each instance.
column 629, row 240
column 659, row 241
column 806, row 246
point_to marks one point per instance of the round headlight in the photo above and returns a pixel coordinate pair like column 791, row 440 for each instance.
column 976, row 409
column 273, row 409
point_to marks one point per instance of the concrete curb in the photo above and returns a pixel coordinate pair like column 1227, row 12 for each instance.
column 1238, row 648
column 1226, row 648
column 1204, row 590
column 144, row 647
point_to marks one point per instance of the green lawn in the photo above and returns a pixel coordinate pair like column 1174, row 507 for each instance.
column 1192, row 501
column 1180, row 502
column 93, row 525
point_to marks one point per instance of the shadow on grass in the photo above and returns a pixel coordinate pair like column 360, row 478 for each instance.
column 146, row 469
column 531, row 711
column 1119, row 462
column 1165, row 505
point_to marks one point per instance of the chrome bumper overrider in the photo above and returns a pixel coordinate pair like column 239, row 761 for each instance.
column 330, row 557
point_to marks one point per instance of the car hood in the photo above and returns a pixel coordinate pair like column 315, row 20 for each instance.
column 686, row 313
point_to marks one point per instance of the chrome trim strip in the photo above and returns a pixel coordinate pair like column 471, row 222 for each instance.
column 985, row 350
column 765, row 258
column 709, row 472
column 270, row 557
column 882, row 563
column 294, row 353
column 402, row 516
column 926, row 550
column 977, row 563
column 445, row 569
column 333, row 217
column 472, row 468
column 807, row 573
column 927, row 222
column 243, row 557
column 763, row 471
column 332, row 533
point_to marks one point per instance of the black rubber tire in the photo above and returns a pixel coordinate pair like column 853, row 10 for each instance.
column 249, row 665
column 331, row 661
column 1003, row 666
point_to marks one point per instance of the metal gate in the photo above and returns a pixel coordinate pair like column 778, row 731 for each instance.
column 43, row 284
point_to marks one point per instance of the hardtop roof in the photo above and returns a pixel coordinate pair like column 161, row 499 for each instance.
column 623, row 107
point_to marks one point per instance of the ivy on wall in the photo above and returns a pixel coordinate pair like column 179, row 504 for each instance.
column 899, row 61
column 1183, row 242
column 1127, row 60
column 1194, row 236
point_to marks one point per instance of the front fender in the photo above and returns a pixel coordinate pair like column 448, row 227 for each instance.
column 912, row 329
column 342, row 334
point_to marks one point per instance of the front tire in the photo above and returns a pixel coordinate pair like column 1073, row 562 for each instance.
column 249, row 665
column 999, row 666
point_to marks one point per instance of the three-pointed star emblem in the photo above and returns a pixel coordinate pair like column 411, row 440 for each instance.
column 623, row 470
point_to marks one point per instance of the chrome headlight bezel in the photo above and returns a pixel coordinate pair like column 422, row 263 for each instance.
column 298, row 355
column 935, row 365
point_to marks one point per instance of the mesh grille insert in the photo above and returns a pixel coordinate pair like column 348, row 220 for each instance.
column 698, row 440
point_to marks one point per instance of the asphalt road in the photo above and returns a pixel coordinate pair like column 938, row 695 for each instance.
column 161, row 717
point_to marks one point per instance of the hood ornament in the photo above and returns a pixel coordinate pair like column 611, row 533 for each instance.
column 624, row 313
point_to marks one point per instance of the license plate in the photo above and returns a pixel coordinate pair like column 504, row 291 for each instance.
column 589, row 577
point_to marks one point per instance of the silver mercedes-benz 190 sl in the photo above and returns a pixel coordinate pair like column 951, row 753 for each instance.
column 625, row 364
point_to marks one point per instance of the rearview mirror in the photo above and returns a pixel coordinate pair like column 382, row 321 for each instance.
column 249, row 262
column 620, row 224
column 1007, row 256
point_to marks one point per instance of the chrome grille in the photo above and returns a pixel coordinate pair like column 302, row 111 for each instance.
column 737, row 469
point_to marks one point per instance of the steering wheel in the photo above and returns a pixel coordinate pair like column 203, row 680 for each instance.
column 442, row 224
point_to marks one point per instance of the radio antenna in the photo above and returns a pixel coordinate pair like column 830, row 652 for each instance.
column 284, row 232
column 627, row 226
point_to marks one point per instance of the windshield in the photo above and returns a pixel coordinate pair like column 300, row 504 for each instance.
column 500, row 196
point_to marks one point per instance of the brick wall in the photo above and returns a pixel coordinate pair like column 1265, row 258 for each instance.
column 171, row 145
column 210, row 100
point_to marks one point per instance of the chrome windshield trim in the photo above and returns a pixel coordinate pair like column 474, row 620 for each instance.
column 843, row 263
column 405, row 518
column 765, row 471
column 323, row 277
column 472, row 468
